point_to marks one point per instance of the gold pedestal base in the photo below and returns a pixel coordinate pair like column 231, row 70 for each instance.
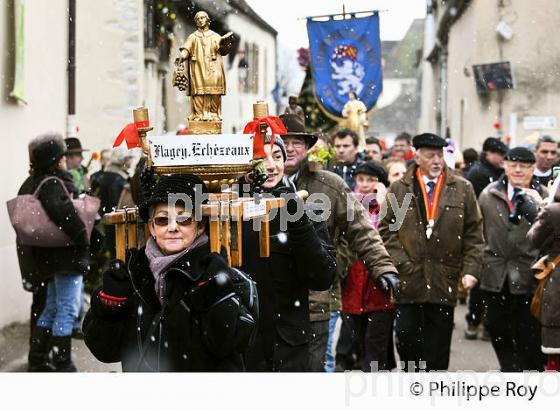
column 205, row 127
column 214, row 176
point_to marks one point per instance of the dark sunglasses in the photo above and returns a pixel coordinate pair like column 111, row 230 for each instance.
column 180, row 220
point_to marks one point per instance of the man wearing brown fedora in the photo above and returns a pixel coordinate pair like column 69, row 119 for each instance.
column 353, row 227
column 74, row 158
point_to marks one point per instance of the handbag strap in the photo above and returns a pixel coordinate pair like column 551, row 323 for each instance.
column 49, row 178
column 548, row 269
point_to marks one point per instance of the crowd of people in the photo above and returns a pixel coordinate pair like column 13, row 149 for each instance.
column 409, row 229
column 487, row 203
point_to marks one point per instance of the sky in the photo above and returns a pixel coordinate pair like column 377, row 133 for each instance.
column 395, row 19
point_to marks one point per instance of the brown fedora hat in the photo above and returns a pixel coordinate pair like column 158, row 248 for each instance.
column 74, row 146
column 295, row 125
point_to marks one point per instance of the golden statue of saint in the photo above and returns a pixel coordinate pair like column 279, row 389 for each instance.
column 355, row 113
column 203, row 77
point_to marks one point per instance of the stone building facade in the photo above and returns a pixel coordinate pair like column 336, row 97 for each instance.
column 474, row 32
column 124, row 59
column 45, row 44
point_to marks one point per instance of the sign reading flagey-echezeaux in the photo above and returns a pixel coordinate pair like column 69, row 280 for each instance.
column 223, row 149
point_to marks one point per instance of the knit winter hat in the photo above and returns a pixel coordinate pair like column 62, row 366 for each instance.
column 45, row 150
column 279, row 142
column 178, row 184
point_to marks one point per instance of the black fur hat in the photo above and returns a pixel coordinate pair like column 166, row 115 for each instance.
column 180, row 184
column 45, row 151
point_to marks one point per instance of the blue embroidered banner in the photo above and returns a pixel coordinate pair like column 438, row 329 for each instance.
column 345, row 57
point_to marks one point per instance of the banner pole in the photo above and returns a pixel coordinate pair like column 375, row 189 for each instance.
column 343, row 14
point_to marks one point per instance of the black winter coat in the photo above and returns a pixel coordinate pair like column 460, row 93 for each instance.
column 301, row 258
column 482, row 174
column 39, row 264
column 346, row 172
column 145, row 336
column 108, row 187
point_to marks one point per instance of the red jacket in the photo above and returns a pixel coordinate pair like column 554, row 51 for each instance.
column 409, row 155
column 360, row 294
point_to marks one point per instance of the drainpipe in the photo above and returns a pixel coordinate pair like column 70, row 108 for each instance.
column 427, row 120
column 443, row 92
column 429, row 29
column 71, row 126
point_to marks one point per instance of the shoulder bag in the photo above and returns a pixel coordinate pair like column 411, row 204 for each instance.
column 33, row 225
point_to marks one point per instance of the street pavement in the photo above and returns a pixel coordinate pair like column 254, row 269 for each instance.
column 474, row 355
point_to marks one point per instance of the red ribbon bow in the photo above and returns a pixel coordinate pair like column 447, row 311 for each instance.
column 276, row 127
column 130, row 134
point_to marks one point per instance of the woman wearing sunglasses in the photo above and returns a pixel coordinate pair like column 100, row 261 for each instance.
column 174, row 305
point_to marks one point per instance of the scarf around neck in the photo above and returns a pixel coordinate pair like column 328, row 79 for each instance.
column 159, row 262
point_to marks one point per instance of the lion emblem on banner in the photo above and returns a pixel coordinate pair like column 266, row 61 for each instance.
column 348, row 73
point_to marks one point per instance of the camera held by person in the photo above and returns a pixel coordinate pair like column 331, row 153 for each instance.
column 523, row 206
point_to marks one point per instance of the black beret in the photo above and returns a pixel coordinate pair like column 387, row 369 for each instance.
column 374, row 169
column 520, row 154
column 428, row 140
column 186, row 184
column 494, row 145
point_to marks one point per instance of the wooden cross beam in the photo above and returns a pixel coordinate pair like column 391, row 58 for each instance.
column 226, row 212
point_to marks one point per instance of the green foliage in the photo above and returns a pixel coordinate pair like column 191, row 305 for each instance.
column 321, row 155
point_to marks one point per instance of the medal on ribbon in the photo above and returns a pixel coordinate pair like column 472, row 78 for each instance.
column 430, row 206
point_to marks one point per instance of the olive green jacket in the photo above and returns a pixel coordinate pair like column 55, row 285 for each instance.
column 430, row 269
column 348, row 220
column 508, row 255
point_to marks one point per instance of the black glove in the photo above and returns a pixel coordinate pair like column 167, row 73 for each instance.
column 525, row 206
column 293, row 204
column 390, row 280
column 258, row 179
column 116, row 281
